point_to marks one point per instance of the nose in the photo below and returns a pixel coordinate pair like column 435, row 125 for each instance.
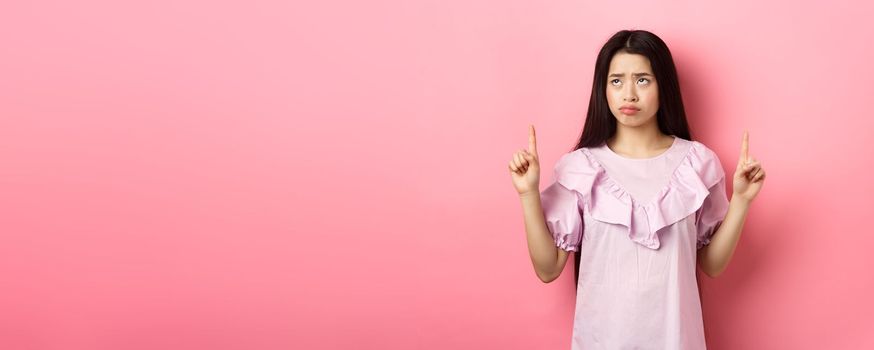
column 630, row 94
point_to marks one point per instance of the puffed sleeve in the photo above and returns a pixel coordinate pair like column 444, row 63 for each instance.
column 712, row 212
column 561, row 208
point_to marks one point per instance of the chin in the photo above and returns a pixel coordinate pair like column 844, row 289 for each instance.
column 632, row 121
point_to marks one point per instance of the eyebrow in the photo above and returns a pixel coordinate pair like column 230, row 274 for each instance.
column 633, row 74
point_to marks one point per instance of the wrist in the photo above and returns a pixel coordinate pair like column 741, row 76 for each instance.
column 740, row 199
column 529, row 195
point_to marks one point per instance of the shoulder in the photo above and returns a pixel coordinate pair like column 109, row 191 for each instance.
column 577, row 160
column 576, row 169
column 706, row 162
column 702, row 149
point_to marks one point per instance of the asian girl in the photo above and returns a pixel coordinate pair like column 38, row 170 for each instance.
column 638, row 201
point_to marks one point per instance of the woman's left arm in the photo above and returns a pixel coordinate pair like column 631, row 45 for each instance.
column 748, row 179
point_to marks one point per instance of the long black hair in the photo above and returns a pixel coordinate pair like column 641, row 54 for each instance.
column 601, row 124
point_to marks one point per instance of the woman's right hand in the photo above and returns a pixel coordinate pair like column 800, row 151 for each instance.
column 525, row 167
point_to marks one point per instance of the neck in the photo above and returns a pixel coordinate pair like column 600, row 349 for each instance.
column 638, row 141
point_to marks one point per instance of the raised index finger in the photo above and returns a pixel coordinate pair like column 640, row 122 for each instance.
column 532, row 140
column 745, row 147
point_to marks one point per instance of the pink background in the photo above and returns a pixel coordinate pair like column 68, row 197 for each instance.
column 333, row 175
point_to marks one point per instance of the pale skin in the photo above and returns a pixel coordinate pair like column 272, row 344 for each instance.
column 631, row 82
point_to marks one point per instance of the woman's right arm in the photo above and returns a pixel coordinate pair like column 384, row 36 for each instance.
column 547, row 257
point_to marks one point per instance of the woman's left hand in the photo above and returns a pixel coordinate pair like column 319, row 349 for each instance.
column 749, row 175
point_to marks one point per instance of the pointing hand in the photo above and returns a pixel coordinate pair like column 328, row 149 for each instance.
column 525, row 167
column 749, row 175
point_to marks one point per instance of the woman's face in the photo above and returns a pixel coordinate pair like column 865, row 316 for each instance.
column 630, row 82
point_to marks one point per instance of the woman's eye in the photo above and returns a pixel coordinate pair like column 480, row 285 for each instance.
column 617, row 81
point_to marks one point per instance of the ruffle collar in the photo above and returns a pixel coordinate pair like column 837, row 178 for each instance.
column 605, row 200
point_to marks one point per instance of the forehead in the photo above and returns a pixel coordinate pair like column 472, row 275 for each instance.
column 627, row 63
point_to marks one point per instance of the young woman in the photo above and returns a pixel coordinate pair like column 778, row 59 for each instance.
column 639, row 202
